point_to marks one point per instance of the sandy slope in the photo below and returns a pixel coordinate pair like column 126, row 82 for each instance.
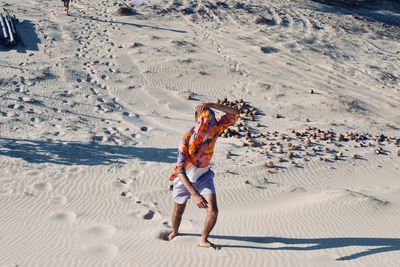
column 93, row 106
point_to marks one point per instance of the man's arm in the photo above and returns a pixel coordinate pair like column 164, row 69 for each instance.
column 200, row 200
column 223, row 108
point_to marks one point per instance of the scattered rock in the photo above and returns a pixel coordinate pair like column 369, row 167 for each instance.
column 269, row 49
column 378, row 150
column 307, row 142
column 126, row 194
column 311, row 141
column 269, row 164
column 264, row 20
column 136, row 44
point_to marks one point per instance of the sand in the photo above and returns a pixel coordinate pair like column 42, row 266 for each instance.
column 93, row 106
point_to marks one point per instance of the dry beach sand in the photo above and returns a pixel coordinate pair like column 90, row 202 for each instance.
column 93, row 106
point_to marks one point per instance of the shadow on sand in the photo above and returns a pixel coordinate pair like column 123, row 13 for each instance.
column 132, row 24
column 74, row 153
column 28, row 37
column 385, row 11
column 378, row 245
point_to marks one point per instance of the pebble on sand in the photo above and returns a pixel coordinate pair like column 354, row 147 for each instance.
column 269, row 164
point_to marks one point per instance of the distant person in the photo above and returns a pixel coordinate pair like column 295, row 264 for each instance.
column 192, row 175
column 66, row 5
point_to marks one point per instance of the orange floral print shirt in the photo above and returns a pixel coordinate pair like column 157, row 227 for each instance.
column 197, row 145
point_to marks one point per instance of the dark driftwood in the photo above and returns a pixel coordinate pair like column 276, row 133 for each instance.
column 125, row 11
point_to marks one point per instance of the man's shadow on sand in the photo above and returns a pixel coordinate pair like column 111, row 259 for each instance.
column 378, row 245
column 75, row 153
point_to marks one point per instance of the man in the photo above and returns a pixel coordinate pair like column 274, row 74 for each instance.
column 66, row 5
column 192, row 175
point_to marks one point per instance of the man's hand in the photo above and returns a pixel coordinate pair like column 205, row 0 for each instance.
column 201, row 201
column 200, row 108
column 220, row 107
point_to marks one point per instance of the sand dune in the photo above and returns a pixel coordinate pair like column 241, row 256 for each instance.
column 94, row 104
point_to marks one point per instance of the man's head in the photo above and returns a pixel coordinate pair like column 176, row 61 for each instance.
column 207, row 115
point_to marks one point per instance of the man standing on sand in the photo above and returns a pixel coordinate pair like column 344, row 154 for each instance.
column 192, row 175
column 66, row 5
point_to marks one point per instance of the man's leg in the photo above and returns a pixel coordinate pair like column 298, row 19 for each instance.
column 211, row 219
column 176, row 219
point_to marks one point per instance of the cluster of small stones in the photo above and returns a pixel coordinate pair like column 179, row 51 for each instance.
column 299, row 144
column 308, row 143
column 247, row 113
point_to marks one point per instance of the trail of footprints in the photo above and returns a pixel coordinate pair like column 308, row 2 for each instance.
column 275, row 23
column 195, row 7
column 286, row 26
column 95, row 237
column 234, row 65
column 99, row 69
column 147, row 211
column 89, row 235
column 30, row 104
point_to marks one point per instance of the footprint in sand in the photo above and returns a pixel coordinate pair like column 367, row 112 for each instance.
column 5, row 191
column 33, row 173
column 127, row 194
column 101, row 231
column 42, row 187
column 122, row 183
column 163, row 234
column 63, row 217
column 146, row 214
column 73, row 169
column 58, row 200
column 100, row 252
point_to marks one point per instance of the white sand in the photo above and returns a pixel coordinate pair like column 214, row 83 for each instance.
column 83, row 184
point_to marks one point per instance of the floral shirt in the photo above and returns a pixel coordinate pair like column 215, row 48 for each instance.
column 197, row 145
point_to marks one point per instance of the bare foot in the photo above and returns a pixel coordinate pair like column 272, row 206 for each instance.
column 208, row 244
column 172, row 235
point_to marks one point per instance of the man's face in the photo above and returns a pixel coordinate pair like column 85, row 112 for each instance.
column 206, row 115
